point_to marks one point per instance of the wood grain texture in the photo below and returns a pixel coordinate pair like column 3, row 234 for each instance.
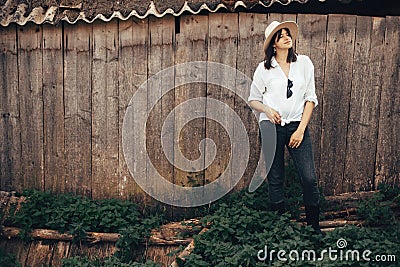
column 336, row 99
column 78, row 105
column 160, row 57
column 42, row 253
column 53, row 109
column 222, row 48
column 250, row 54
column 105, row 117
column 133, row 35
column 191, row 45
column 312, row 42
column 31, row 104
column 364, row 104
column 10, row 140
column 387, row 169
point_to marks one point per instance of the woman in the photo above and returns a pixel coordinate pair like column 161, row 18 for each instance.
column 283, row 91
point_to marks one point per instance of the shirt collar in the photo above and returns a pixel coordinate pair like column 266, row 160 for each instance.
column 274, row 63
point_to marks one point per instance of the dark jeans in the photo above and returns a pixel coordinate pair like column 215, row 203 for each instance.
column 302, row 158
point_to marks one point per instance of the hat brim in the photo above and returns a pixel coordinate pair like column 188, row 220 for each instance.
column 291, row 25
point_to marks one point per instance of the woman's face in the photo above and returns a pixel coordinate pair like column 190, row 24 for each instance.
column 283, row 40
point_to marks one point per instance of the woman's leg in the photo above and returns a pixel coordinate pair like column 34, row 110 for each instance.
column 304, row 162
column 276, row 173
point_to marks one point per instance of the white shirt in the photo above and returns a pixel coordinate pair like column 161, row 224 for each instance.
column 270, row 86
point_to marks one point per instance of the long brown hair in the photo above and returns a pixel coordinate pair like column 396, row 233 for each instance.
column 269, row 52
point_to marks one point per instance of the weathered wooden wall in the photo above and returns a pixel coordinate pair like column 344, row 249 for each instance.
column 65, row 89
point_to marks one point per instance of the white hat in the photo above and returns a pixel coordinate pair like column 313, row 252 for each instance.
column 275, row 26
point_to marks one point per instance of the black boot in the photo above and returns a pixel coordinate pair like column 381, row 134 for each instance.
column 278, row 207
column 312, row 218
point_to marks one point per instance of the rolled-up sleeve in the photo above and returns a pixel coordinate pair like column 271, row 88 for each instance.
column 256, row 87
column 310, row 89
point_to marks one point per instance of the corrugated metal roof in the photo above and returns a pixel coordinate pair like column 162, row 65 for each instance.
column 54, row 11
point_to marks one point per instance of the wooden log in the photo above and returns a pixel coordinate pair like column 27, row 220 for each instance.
column 105, row 121
column 336, row 98
column 312, row 42
column 186, row 252
column 30, row 44
column 387, row 163
column 78, row 114
column 10, row 141
column 53, row 109
column 170, row 234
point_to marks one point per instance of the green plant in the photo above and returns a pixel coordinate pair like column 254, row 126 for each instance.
column 8, row 260
column 378, row 210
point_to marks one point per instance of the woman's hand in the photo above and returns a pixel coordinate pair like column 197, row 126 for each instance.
column 296, row 138
column 273, row 115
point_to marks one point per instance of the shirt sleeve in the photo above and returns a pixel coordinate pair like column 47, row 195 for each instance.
column 256, row 87
column 310, row 89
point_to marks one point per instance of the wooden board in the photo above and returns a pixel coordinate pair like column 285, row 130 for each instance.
column 160, row 56
column 31, row 103
column 364, row 105
column 10, row 141
column 42, row 253
column 159, row 254
column 53, row 109
column 336, row 98
column 133, row 35
column 387, row 169
column 78, row 114
column 312, row 42
column 249, row 55
column 222, row 48
column 60, row 251
column 105, row 117
column 191, row 45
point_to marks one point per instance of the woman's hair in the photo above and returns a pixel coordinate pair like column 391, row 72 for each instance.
column 269, row 52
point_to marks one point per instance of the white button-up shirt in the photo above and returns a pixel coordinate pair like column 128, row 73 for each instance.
column 270, row 86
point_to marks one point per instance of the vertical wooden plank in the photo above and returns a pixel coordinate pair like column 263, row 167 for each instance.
column 10, row 140
column 105, row 130
column 387, row 169
column 312, row 42
column 191, row 45
column 281, row 17
column 364, row 104
column 100, row 251
column 223, row 37
column 53, row 105
column 250, row 54
column 133, row 36
column 31, row 103
column 159, row 254
column 336, row 98
column 160, row 56
column 40, row 253
column 78, row 116
column 60, row 251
